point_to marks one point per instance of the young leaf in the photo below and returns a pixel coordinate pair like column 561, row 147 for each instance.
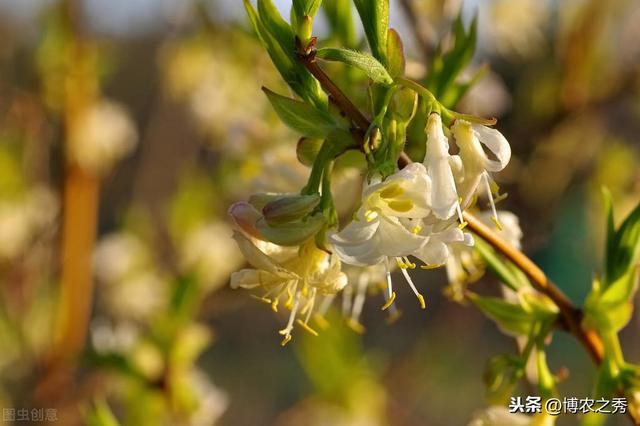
column 276, row 25
column 304, row 8
column 367, row 63
column 395, row 54
column 513, row 319
column 625, row 247
column 301, row 116
column 374, row 15
column 498, row 266
column 282, row 56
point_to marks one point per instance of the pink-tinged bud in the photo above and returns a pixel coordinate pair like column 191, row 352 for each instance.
column 246, row 216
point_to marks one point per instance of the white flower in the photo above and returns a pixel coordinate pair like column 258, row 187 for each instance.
column 295, row 275
column 379, row 229
column 475, row 162
column 443, row 198
column 104, row 133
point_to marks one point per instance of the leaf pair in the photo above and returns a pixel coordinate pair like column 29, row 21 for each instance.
column 278, row 39
column 609, row 305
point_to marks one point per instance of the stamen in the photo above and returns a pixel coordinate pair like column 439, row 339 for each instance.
column 500, row 198
column 389, row 301
column 347, row 294
column 262, row 299
column 358, row 301
column 463, row 223
column 423, row 305
column 310, row 305
column 434, row 266
column 287, row 339
column 391, row 294
column 494, row 218
column 307, row 327
column 288, row 303
column 409, row 263
column 286, row 332
column 416, row 229
column 355, row 326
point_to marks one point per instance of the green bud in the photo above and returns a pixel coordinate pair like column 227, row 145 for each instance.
column 291, row 233
column 307, row 150
column 404, row 104
column 289, row 208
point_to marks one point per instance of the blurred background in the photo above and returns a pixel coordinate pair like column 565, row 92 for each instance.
column 128, row 127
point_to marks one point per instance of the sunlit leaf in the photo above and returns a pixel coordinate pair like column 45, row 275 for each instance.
column 301, row 116
column 367, row 63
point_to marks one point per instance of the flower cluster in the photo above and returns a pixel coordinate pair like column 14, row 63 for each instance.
column 297, row 253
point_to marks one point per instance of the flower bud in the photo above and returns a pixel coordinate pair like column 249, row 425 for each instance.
column 289, row 208
column 404, row 104
column 290, row 233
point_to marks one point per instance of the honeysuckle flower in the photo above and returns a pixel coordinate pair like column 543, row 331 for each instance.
column 443, row 197
column 295, row 275
column 378, row 231
column 475, row 163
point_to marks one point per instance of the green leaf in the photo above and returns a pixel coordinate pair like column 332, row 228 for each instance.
column 374, row 15
column 395, row 54
column 511, row 318
column 499, row 267
column 609, row 304
column 624, row 249
column 282, row 54
column 304, row 8
column 301, row 116
column 367, row 63
column 276, row 25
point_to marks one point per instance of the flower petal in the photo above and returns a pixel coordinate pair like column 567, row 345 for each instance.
column 497, row 144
